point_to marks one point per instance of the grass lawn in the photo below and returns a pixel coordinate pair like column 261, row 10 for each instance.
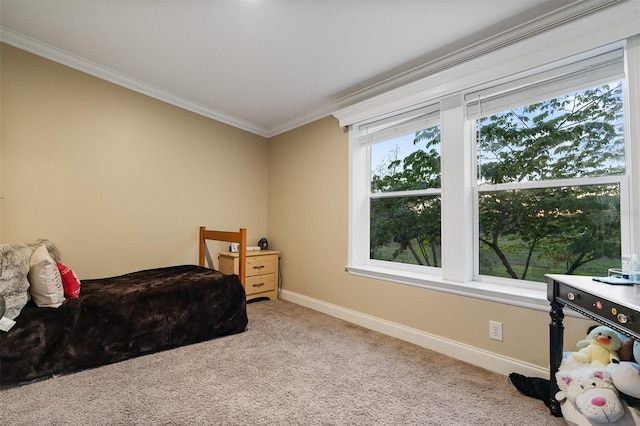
column 491, row 265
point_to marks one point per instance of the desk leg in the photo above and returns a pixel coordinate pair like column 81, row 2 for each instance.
column 556, row 339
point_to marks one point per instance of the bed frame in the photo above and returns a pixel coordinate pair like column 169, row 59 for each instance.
column 239, row 237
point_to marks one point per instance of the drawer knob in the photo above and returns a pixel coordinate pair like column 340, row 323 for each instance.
column 623, row 319
column 258, row 267
column 572, row 296
column 258, row 285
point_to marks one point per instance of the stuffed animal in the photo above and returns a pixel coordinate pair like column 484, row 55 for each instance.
column 620, row 376
column 626, row 350
column 630, row 351
column 538, row 388
column 533, row 387
column 592, row 393
column 625, row 376
column 599, row 348
column 573, row 417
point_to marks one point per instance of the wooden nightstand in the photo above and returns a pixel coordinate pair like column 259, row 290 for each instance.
column 261, row 270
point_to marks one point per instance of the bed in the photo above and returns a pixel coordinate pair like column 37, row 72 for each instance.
column 125, row 316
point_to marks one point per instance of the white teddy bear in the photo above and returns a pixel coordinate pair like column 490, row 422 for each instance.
column 589, row 397
column 625, row 375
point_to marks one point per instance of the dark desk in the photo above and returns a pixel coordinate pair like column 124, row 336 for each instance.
column 615, row 306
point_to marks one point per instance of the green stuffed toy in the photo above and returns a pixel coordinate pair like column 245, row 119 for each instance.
column 599, row 348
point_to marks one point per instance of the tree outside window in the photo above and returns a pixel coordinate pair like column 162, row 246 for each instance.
column 405, row 223
column 551, row 228
column 548, row 192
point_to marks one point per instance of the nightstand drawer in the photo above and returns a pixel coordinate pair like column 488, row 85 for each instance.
column 259, row 265
column 260, row 283
column 261, row 272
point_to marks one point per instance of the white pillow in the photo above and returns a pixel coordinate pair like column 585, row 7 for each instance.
column 46, row 284
column 14, row 286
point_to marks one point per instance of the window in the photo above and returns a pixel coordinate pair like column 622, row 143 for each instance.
column 550, row 174
column 404, row 189
column 503, row 181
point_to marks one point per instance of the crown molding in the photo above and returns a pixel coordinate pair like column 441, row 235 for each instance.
column 581, row 26
column 299, row 121
column 563, row 16
column 76, row 62
column 568, row 14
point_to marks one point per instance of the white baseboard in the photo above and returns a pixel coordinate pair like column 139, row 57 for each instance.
column 472, row 355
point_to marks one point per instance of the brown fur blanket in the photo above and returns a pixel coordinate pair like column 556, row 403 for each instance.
column 122, row 317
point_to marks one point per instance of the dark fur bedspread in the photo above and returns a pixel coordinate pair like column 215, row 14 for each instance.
column 122, row 317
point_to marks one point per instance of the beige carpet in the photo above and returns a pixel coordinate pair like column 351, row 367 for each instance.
column 294, row 366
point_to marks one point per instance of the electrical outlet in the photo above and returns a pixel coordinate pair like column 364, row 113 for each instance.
column 495, row 330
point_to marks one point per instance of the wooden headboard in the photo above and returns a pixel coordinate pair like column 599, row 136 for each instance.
column 239, row 237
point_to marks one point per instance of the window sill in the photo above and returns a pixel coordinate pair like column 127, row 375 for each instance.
column 511, row 295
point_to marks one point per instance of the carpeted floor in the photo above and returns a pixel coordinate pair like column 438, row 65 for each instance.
column 294, row 366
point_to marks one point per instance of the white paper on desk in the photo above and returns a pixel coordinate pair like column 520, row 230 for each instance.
column 6, row 324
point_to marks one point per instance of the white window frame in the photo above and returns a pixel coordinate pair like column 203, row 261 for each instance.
column 580, row 74
column 625, row 225
column 458, row 166
column 431, row 118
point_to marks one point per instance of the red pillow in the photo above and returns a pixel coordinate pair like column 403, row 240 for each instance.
column 70, row 282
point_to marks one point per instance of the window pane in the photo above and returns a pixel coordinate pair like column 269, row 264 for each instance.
column 525, row 234
column 408, row 162
column 576, row 135
column 406, row 230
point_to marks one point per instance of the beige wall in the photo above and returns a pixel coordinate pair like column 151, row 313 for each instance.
column 119, row 181
column 308, row 202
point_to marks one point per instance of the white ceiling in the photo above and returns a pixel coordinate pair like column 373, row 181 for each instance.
column 265, row 66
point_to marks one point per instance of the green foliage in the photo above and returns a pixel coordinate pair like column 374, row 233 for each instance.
column 567, row 227
column 563, row 228
column 411, row 224
column 567, row 137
